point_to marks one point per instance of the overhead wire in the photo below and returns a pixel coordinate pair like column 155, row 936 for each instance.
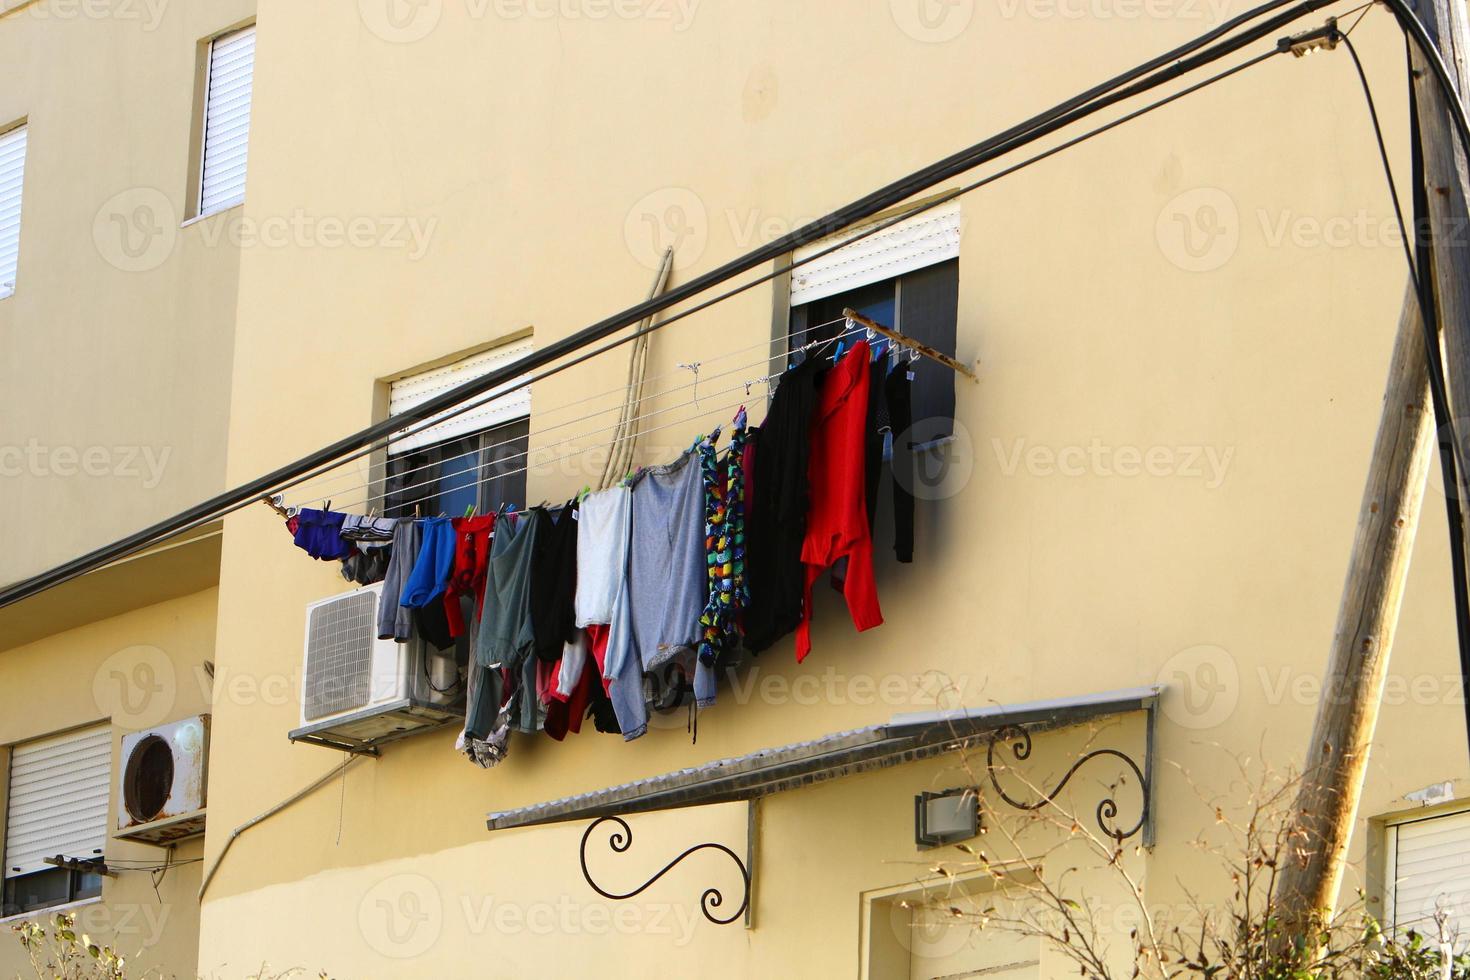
column 1168, row 66
column 876, row 228
column 323, row 491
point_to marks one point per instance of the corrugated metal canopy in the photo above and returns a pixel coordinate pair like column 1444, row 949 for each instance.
column 905, row 738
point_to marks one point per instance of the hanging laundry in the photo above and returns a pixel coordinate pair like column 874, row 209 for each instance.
column 776, row 519
column 602, row 554
column 368, row 532
column 554, row 582
column 486, row 735
column 367, row 566
column 505, row 624
column 898, row 389
column 837, row 520
column 319, row 534
column 724, row 545
column 431, row 569
column 395, row 621
column 467, row 573
column 424, row 589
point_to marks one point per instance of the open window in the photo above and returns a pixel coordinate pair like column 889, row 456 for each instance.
column 905, row 277
column 477, row 458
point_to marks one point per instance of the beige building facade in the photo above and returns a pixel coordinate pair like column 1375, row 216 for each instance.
column 1134, row 535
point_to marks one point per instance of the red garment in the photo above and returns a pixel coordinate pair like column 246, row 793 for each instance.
column 471, row 562
column 566, row 716
column 837, row 509
column 597, row 637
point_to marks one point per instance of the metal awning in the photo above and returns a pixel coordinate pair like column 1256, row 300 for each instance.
column 905, row 738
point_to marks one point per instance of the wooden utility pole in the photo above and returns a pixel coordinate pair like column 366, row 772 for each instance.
column 1332, row 780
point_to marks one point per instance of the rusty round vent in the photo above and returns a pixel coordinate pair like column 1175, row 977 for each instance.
column 148, row 779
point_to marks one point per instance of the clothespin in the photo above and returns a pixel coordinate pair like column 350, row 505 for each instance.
column 417, row 512
column 582, row 494
column 326, row 506
column 469, row 511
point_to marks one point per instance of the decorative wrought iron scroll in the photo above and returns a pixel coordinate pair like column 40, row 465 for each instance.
column 622, row 839
column 1107, row 809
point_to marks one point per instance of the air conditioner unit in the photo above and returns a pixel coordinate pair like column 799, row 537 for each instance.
column 357, row 691
column 163, row 781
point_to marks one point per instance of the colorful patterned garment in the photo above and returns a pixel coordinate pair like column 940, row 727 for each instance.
column 724, row 544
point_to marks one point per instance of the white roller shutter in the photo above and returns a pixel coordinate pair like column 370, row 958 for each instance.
column 923, row 240
column 1431, row 872
column 414, row 390
column 227, row 120
column 12, row 171
column 58, row 799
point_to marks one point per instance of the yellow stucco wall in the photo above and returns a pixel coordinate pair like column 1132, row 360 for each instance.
column 136, row 670
column 508, row 167
column 116, row 343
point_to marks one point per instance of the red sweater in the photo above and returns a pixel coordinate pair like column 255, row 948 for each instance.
column 837, row 514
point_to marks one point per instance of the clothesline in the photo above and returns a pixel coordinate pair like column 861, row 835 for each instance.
column 319, row 492
column 502, row 474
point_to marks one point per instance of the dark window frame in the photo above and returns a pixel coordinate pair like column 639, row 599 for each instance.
column 79, row 886
column 496, row 472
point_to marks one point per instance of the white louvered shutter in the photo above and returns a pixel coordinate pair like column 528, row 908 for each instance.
column 488, row 411
column 58, row 799
column 923, row 240
column 1432, row 874
column 12, row 173
column 227, row 120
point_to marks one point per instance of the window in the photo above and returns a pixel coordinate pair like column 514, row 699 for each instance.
column 475, row 459
column 905, row 277
column 1428, row 877
column 226, row 130
column 57, row 805
column 12, row 172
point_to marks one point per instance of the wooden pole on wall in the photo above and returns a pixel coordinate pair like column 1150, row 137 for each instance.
column 1337, row 756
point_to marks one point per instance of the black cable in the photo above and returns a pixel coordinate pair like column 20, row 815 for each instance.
column 1171, row 65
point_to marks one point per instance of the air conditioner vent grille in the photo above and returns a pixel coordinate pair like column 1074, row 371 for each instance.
column 339, row 655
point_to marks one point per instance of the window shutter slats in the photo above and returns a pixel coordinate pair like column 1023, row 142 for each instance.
column 12, row 173
column 227, row 120
column 408, row 392
column 1432, row 874
column 59, row 792
column 923, row 240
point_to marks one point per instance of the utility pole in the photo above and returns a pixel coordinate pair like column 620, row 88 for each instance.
column 1337, row 756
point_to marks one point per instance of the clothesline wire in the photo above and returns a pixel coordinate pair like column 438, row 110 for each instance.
column 780, row 270
column 502, row 474
column 320, row 492
column 700, row 414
